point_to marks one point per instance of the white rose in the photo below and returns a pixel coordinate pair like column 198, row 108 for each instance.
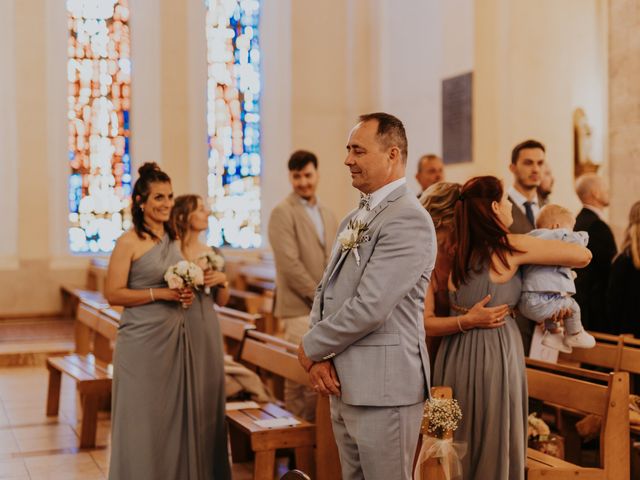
column 174, row 281
column 182, row 268
column 196, row 274
column 348, row 238
column 217, row 262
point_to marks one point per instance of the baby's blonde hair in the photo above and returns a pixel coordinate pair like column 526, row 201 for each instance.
column 552, row 214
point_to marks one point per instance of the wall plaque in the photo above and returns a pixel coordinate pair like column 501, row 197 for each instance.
column 456, row 119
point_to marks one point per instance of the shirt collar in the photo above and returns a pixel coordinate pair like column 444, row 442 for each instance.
column 519, row 198
column 382, row 192
column 306, row 203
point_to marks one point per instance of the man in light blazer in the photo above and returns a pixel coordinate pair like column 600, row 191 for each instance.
column 301, row 233
column 366, row 347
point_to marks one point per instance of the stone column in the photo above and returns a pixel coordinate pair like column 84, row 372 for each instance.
column 624, row 109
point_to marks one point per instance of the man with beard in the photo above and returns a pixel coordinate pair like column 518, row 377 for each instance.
column 527, row 163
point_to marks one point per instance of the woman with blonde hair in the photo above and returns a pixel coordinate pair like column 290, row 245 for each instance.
column 190, row 219
column 623, row 301
column 439, row 200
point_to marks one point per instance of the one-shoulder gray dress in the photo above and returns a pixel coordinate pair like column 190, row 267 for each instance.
column 168, row 384
column 486, row 369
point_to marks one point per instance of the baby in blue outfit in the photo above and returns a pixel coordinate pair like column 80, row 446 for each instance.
column 547, row 289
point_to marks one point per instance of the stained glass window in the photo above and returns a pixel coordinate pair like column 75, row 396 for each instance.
column 233, row 121
column 99, row 100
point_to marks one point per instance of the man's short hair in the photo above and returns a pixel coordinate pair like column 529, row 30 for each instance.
column 428, row 157
column 515, row 153
column 390, row 132
column 300, row 159
column 586, row 184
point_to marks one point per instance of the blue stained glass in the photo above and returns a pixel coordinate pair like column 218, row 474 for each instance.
column 234, row 79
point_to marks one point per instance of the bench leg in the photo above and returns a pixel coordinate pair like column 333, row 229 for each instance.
column 89, row 426
column 264, row 465
column 240, row 445
column 53, row 393
column 304, row 460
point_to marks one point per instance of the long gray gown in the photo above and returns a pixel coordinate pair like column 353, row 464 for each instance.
column 486, row 369
column 168, row 387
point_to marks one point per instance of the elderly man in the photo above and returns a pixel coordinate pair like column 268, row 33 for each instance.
column 591, row 282
column 430, row 171
column 366, row 347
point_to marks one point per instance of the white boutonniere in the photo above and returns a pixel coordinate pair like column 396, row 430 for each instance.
column 352, row 236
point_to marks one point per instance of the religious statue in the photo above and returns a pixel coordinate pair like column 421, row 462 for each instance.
column 582, row 142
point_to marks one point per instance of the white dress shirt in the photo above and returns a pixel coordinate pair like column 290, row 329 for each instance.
column 378, row 196
column 519, row 200
column 316, row 218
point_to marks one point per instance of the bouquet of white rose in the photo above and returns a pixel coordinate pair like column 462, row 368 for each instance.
column 184, row 274
column 210, row 260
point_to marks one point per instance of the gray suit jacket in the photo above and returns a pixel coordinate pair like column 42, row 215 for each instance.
column 299, row 254
column 369, row 317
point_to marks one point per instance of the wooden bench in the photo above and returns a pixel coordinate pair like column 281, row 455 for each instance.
column 617, row 353
column 233, row 325
column 604, row 395
column 277, row 357
column 96, row 330
column 93, row 380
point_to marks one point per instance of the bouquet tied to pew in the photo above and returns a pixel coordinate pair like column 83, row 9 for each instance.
column 210, row 260
column 438, row 451
column 184, row 274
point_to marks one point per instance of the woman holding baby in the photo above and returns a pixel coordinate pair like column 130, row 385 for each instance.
column 485, row 366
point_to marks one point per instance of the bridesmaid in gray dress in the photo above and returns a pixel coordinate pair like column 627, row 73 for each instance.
column 485, row 366
column 190, row 217
column 155, row 423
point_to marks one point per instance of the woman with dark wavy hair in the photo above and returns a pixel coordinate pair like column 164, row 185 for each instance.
column 155, row 429
column 485, row 366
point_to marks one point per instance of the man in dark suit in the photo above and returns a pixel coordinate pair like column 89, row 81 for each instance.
column 527, row 162
column 591, row 282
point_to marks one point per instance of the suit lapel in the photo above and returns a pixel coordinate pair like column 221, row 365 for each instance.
column 303, row 216
column 339, row 259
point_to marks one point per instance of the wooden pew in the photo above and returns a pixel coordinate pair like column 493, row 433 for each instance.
column 605, row 395
column 279, row 358
column 233, row 326
column 96, row 330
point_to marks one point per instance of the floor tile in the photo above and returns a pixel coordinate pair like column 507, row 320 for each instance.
column 12, row 469
column 79, row 466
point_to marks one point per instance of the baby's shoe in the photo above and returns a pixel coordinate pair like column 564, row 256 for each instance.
column 580, row 340
column 555, row 341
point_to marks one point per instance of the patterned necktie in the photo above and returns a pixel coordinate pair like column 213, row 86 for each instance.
column 528, row 209
column 365, row 201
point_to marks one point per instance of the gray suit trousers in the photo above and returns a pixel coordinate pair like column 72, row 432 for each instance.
column 376, row 443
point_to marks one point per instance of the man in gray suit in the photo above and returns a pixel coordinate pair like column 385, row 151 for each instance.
column 366, row 347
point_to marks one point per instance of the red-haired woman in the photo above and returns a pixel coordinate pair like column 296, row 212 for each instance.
column 486, row 367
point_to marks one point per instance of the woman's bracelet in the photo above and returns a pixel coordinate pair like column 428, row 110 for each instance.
column 153, row 299
column 462, row 330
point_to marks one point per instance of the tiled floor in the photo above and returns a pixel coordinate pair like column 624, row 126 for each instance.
column 36, row 447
